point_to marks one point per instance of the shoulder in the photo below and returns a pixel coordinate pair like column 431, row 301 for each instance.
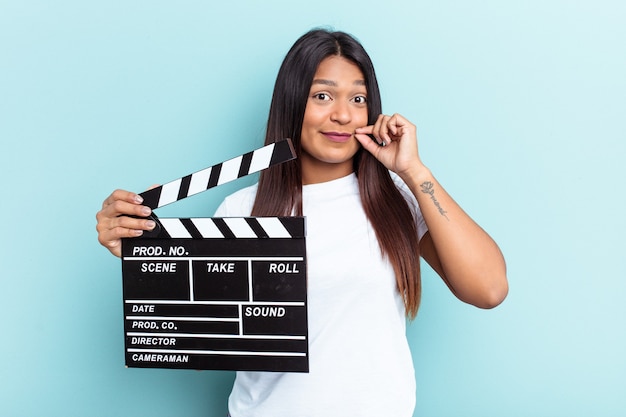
column 238, row 203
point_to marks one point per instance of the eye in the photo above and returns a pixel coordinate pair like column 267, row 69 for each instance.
column 321, row 96
column 360, row 99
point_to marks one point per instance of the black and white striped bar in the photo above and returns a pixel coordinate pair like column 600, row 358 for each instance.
column 230, row 227
column 240, row 166
column 227, row 228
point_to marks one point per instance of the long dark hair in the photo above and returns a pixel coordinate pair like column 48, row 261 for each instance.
column 280, row 187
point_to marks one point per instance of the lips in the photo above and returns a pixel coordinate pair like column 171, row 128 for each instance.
column 337, row 136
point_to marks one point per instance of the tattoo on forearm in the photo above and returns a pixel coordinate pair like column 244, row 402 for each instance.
column 427, row 188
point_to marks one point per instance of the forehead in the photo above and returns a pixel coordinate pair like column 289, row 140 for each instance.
column 339, row 69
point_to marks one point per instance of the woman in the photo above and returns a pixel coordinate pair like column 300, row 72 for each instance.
column 366, row 229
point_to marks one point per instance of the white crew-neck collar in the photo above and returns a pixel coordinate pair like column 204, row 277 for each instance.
column 338, row 185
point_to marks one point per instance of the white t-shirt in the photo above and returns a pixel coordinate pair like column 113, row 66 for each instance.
column 359, row 359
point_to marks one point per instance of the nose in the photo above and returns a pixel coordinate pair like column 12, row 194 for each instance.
column 341, row 113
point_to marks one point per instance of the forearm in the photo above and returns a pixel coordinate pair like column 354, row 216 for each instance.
column 464, row 254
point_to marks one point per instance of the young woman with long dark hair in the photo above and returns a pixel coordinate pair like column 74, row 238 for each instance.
column 372, row 208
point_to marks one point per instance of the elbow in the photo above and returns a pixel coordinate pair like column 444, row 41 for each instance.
column 485, row 289
column 493, row 300
column 494, row 295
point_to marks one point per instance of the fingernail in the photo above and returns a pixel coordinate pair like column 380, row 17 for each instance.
column 145, row 211
column 150, row 224
column 138, row 199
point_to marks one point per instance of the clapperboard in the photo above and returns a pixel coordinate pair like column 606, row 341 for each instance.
column 217, row 293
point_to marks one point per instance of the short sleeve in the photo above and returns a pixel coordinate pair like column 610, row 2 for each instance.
column 238, row 204
column 222, row 210
column 413, row 205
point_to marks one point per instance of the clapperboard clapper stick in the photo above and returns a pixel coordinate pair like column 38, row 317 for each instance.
column 217, row 293
column 218, row 174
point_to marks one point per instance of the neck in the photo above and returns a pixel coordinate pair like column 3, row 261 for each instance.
column 315, row 171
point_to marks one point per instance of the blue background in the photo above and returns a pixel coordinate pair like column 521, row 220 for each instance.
column 520, row 107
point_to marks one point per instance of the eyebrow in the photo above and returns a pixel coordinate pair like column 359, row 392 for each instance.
column 331, row 83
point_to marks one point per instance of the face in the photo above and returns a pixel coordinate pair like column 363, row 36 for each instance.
column 336, row 106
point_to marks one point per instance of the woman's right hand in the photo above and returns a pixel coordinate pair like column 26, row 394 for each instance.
column 114, row 222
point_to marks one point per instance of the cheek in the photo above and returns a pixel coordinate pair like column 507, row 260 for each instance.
column 311, row 123
column 362, row 114
column 312, row 117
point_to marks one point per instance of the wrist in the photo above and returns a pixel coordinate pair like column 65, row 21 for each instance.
column 416, row 175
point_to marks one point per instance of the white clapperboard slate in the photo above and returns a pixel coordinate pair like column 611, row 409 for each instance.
column 217, row 293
